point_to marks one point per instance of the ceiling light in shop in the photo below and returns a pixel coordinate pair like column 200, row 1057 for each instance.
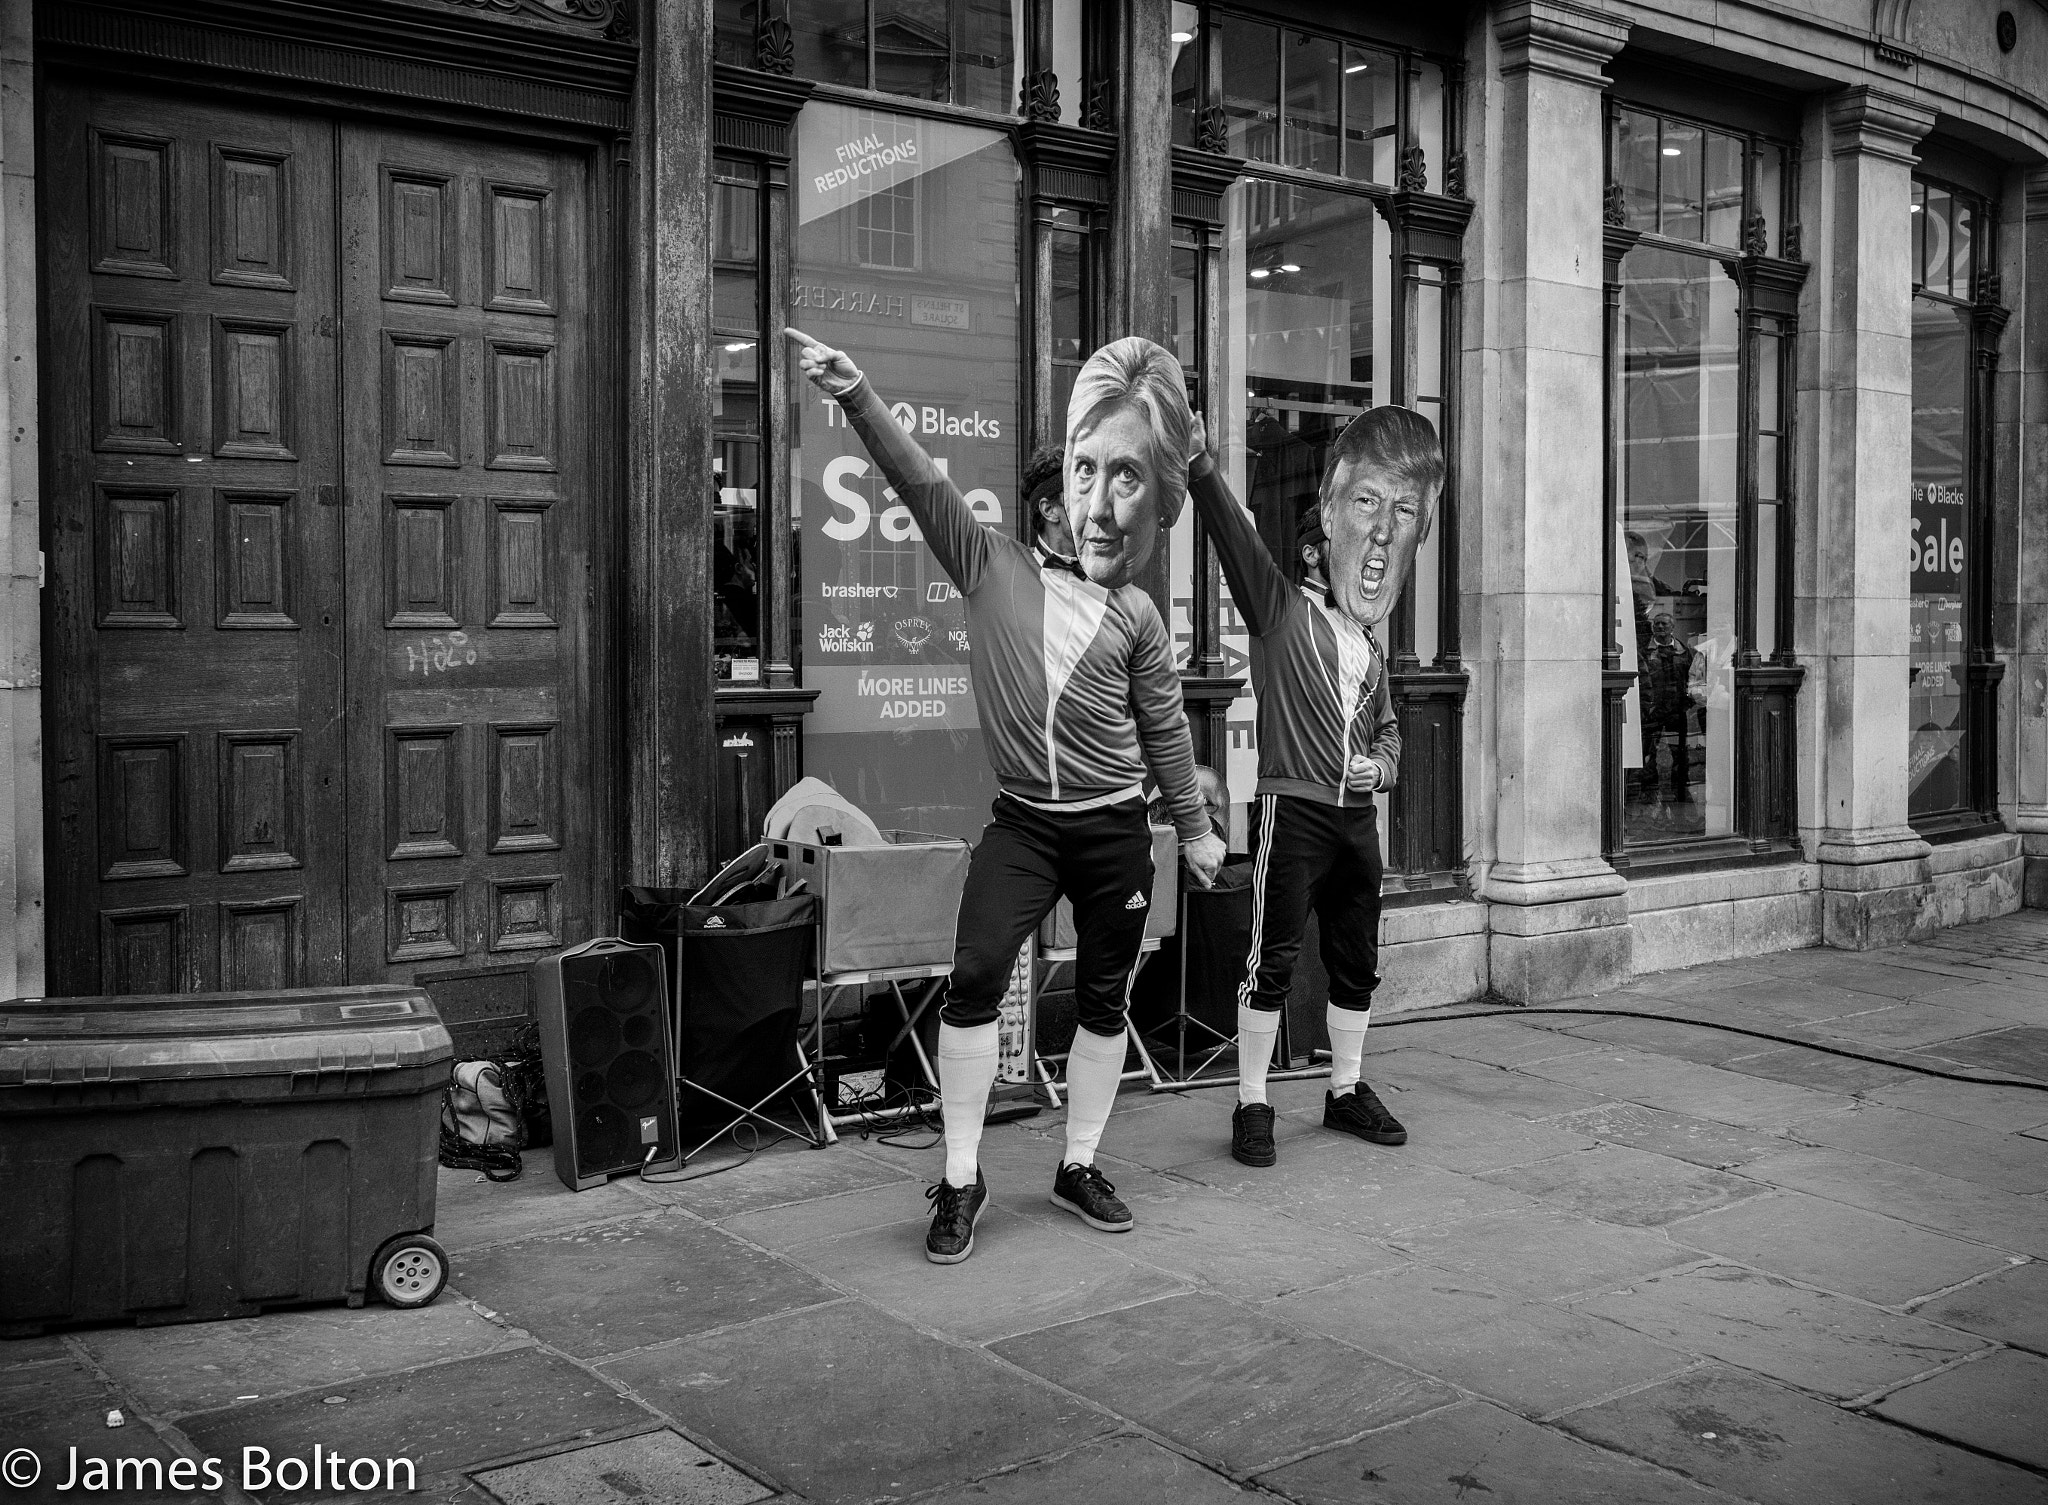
column 1358, row 67
column 741, row 345
column 1183, row 36
column 1260, row 272
column 1916, row 209
column 1288, row 266
column 1671, row 151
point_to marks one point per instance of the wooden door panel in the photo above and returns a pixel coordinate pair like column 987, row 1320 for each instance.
column 195, row 760
column 467, row 465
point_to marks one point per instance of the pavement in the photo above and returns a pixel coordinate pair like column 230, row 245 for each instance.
column 1619, row 1260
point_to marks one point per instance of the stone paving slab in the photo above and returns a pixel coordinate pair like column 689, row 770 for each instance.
column 859, row 1406
column 1800, row 1067
column 2011, row 1306
column 1124, row 1470
column 783, row 1175
column 683, row 1278
column 1613, row 1184
column 2009, row 1110
column 1344, row 1183
column 50, row 1432
column 1245, row 1251
column 1996, row 1404
column 1807, row 1338
column 1545, row 1254
column 446, row 1418
column 1698, row 1141
column 1942, row 1204
column 1708, row 1047
column 472, row 1212
column 1497, row 1088
column 2020, row 1052
column 1763, row 1442
column 1882, row 975
column 1837, row 1248
column 2011, row 996
column 1477, row 1454
column 1022, row 1276
column 200, row 1366
column 1656, row 1081
column 1907, row 1026
column 1936, row 1144
column 783, row 1228
column 1470, row 1139
column 1529, row 1356
column 1230, row 1385
column 653, row 1466
column 60, row 1380
column 1778, row 999
column 1499, row 1041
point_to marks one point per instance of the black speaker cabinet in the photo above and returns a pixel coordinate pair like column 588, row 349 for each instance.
column 603, row 1012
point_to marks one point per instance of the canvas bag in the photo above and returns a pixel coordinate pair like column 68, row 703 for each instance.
column 481, row 1126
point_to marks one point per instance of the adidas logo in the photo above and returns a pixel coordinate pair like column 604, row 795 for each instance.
column 716, row 922
column 1136, row 901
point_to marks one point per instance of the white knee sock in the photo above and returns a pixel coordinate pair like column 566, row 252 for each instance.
column 1258, row 1030
column 1094, row 1067
column 1347, row 1044
column 967, row 1069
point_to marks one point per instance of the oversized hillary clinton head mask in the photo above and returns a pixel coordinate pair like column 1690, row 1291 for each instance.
column 1129, row 431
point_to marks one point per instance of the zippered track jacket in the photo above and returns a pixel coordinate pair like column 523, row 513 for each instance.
column 1320, row 678
column 1075, row 683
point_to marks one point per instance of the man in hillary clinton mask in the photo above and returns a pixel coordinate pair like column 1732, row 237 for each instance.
column 1073, row 675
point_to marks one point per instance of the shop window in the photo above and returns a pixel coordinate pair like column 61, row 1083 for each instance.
column 961, row 52
column 736, row 420
column 1314, row 101
column 1700, row 338
column 910, row 261
column 1689, row 181
column 1947, row 780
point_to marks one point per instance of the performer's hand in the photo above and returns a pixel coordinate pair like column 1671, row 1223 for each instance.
column 830, row 371
column 1363, row 776
column 1198, row 439
column 1204, row 856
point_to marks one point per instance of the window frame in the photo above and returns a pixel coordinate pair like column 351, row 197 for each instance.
column 1763, row 822
column 1982, row 319
column 722, row 177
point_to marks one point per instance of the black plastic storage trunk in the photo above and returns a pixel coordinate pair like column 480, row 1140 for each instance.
column 203, row 1155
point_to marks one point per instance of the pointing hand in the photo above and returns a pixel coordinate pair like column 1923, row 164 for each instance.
column 830, row 371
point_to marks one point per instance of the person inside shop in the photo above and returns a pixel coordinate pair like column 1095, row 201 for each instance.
column 1073, row 675
column 1045, row 495
column 1328, row 743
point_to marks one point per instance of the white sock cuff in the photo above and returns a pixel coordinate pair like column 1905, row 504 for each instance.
column 1251, row 1021
column 1089, row 1046
column 1354, row 1020
column 964, row 1042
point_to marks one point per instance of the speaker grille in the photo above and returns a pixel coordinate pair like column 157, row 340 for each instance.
column 614, row 1036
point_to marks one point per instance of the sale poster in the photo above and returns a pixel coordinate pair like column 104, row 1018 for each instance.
column 907, row 259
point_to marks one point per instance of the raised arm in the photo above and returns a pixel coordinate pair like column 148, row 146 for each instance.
column 951, row 530
column 1161, row 714
column 1257, row 585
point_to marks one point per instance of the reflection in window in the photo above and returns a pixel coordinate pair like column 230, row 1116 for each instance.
column 1186, row 37
column 885, row 228
column 957, row 51
column 1072, row 296
column 1937, row 770
column 1687, row 181
column 1679, row 496
column 1308, row 315
column 1944, row 231
column 736, row 421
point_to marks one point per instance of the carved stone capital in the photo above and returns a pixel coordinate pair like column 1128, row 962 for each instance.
column 1039, row 99
column 1563, row 38
column 1212, row 131
column 1875, row 123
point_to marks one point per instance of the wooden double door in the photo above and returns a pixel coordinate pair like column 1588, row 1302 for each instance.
column 319, row 694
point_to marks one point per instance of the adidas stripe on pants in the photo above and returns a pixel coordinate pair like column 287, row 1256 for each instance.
column 1100, row 859
column 1322, row 856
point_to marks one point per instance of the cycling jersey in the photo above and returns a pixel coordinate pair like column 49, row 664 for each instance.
column 1320, row 678
column 1074, row 682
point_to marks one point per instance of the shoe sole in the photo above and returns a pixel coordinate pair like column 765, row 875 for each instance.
column 1093, row 1222
column 1246, row 1157
column 1399, row 1137
column 954, row 1259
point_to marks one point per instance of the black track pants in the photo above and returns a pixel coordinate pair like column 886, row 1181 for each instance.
column 1326, row 856
column 1100, row 859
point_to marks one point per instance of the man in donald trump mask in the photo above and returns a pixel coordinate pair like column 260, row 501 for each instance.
column 1073, row 674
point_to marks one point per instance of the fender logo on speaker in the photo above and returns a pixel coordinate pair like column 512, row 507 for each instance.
column 650, row 1131
column 716, row 922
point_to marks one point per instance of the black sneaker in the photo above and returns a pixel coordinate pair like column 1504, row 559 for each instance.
column 1251, row 1134
column 955, row 1211
column 1083, row 1191
column 1361, row 1112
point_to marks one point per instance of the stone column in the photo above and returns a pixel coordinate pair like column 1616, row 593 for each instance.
column 2021, row 614
column 1559, row 912
column 21, row 647
column 1874, row 875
